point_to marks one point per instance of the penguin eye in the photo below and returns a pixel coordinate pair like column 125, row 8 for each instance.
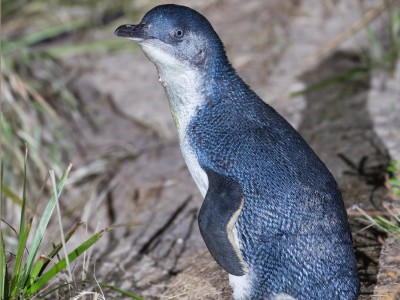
column 178, row 33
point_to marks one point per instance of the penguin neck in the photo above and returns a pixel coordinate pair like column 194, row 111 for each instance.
column 188, row 87
column 223, row 82
column 182, row 82
column 184, row 87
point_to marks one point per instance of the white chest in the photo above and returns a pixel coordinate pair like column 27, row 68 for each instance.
column 199, row 176
column 182, row 84
column 184, row 101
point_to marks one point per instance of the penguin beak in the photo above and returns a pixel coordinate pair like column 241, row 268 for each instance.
column 132, row 32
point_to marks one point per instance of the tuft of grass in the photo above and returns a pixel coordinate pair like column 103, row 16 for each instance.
column 36, row 103
column 35, row 92
column 24, row 273
column 391, row 224
column 384, row 54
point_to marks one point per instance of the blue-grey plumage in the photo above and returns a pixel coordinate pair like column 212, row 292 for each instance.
column 273, row 216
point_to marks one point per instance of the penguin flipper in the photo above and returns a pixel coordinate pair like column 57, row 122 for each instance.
column 218, row 214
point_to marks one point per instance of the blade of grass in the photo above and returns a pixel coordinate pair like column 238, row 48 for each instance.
column 88, row 47
column 359, row 71
column 41, row 229
column 6, row 191
column 382, row 223
column 123, row 292
column 41, row 35
column 53, row 181
column 86, row 256
column 51, row 32
column 43, row 103
column 37, row 268
column 22, row 236
column 3, row 273
column 97, row 282
column 23, row 208
column 61, row 265
column 387, row 225
column 42, row 263
column 83, row 294
column 374, row 40
column 18, row 261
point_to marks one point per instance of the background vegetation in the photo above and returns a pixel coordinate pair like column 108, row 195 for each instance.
column 37, row 104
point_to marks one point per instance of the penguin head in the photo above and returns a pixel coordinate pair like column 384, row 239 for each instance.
column 172, row 35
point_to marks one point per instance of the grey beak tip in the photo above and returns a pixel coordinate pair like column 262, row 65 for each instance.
column 119, row 30
column 132, row 32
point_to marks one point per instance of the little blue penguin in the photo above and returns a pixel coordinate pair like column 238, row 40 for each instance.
column 273, row 216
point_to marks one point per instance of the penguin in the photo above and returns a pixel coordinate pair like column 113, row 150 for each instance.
column 273, row 216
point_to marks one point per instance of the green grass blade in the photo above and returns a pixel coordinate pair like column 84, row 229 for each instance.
column 3, row 271
column 6, row 191
column 41, row 229
column 42, row 262
column 123, row 292
column 86, row 47
column 375, row 43
column 22, row 236
column 64, row 248
column 41, row 35
column 51, row 32
column 23, row 208
column 356, row 73
column 61, row 265
column 18, row 261
column 386, row 225
column 37, row 268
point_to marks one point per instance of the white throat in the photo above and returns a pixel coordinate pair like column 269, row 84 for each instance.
column 183, row 86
